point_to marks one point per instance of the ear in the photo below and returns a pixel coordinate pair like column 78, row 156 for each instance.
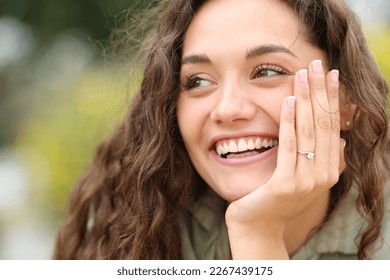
column 347, row 110
column 346, row 115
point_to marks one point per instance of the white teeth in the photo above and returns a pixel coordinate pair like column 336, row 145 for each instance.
column 251, row 145
column 242, row 146
column 229, row 147
column 258, row 143
column 225, row 148
column 265, row 143
column 219, row 150
column 233, row 147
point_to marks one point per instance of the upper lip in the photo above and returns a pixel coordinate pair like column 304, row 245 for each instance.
column 235, row 136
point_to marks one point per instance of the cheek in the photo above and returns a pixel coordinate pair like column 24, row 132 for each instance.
column 270, row 101
column 189, row 116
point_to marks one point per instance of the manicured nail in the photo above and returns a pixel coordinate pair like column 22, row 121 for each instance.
column 317, row 67
column 291, row 102
column 303, row 76
column 334, row 76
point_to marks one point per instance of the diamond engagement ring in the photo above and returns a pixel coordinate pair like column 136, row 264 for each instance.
column 309, row 155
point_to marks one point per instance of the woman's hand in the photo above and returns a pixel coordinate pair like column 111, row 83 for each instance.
column 310, row 122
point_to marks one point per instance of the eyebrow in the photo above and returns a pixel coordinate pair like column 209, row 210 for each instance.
column 252, row 53
column 266, row 49
column 196, row 59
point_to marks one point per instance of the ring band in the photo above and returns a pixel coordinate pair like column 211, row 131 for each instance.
column 309, row 155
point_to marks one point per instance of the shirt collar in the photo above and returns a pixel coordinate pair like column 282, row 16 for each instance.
column 207, row 208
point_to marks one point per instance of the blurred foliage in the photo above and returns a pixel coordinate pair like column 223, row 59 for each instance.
column 52, row 109
column 45, row 21
column 94, row 18
column 60, row 139
column 379, row 42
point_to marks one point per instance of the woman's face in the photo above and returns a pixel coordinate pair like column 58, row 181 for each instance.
column 238, row 65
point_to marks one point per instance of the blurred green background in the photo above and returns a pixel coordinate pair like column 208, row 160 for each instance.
column 59, row 97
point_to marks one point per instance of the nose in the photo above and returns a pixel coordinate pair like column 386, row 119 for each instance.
column 233, row 105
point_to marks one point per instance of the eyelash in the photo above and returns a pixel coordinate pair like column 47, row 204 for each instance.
column 268, row 67
column 189, row 82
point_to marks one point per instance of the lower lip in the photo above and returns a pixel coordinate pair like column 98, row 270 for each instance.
column 245, row 160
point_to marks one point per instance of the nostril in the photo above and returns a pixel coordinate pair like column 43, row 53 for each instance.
column 233, row 108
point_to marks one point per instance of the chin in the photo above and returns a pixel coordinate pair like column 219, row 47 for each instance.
column 232, row 188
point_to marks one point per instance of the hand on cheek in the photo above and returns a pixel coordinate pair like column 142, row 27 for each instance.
column 310, row 160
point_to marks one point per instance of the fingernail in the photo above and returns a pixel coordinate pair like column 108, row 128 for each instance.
column 291, row 102
column 317, row 67
column 334, row 76
column 303, row 76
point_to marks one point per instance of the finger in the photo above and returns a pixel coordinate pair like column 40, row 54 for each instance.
column 287, row 151
column 321, row 115
column 336, row 161
column 304, row 120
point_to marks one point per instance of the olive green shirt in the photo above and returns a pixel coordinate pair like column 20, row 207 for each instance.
column 204, row 232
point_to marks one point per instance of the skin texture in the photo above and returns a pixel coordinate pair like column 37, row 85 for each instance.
column 252, row 74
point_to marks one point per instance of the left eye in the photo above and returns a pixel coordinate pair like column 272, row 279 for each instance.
column 262, row 71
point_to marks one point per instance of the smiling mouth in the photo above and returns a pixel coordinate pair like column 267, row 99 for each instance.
column 244, row 147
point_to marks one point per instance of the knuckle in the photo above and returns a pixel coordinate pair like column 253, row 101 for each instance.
column 287, row 190
column 323, row 178
column 304, row 95
column 333, row 93
column 306, row 183
column 336, row 124
column 319, row 84
column 307, row 186
column 308, row 131
column 334, row 177
column 289, row 118
column 328, row 178
column 290, row 145
column 324, row 122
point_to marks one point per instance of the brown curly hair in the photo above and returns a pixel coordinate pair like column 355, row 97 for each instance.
column 128, row 203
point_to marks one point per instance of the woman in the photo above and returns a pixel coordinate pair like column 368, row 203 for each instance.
column 259, row 131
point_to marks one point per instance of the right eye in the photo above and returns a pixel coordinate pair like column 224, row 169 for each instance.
column 195, row 81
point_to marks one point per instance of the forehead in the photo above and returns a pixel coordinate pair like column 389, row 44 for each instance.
column 242, row 23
